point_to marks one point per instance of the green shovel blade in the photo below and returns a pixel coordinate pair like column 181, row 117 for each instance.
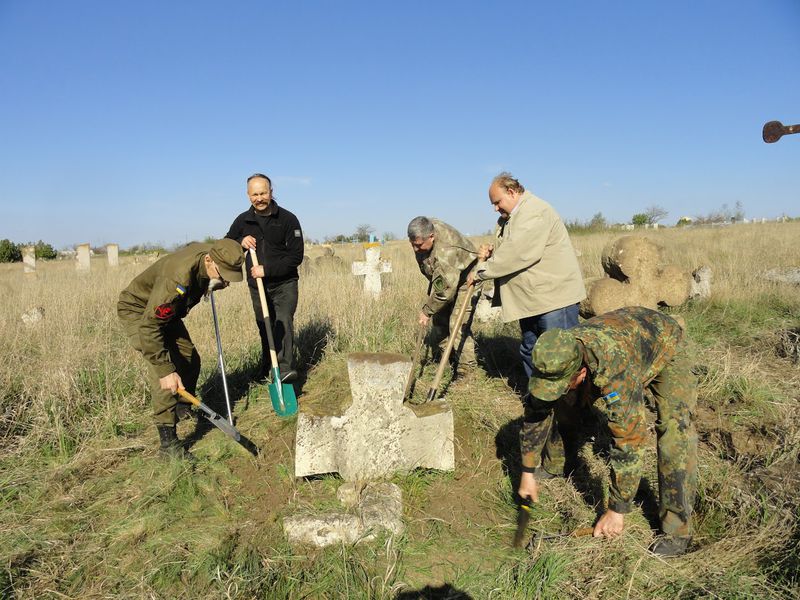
column 284, row 400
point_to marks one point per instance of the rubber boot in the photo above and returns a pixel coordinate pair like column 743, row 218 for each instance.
column 170, row 444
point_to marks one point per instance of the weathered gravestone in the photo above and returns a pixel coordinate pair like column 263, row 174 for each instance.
column 377, row 435
column 84, row 263
column 372, row 268
column 29, row 259
column 112, row 251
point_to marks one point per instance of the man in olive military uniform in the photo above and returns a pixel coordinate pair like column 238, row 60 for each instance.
column 615, row 356
column 151, row 309
column 445, row 258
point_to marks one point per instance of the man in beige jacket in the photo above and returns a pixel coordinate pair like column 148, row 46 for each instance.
column 535, row 271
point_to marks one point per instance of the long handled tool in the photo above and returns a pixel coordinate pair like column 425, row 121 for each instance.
column 524, row 516
column 221, row 360
column 412, row 376
column 450, row 343
column 775, row 130
column 212, row 416
column 284, row 400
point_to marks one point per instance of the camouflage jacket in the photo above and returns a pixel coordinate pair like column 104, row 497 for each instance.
column 624, row 350
column 161, row 294
column 446, row 266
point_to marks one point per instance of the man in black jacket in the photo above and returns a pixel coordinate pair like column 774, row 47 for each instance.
column 275, row 234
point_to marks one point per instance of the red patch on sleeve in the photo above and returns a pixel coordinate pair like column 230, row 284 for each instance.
column 165, row 312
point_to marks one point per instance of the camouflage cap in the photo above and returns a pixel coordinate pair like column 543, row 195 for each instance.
column 556, row 358
column 229, row 257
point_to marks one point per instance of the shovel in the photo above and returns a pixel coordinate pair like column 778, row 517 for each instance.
column 412, row 376
column 284, row 400
column 432, row 391
column 524, row 516
column 221, row 359
column 209, row 414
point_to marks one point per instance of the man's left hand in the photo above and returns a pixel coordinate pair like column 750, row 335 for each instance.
column 423, row 319
column 257, row 272
column 610, row 525
column 471, row 278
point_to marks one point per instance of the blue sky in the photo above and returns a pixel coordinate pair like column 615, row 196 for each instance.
column 136, row 122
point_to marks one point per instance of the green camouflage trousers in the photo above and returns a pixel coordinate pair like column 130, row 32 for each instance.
column 675, row 393
column 183, row 355
column 444, row 321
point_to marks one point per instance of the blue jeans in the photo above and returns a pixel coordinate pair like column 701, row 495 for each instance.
column 533, row 327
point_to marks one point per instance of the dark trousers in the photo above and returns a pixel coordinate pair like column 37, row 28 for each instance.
column 533, row 327
column 282, row 304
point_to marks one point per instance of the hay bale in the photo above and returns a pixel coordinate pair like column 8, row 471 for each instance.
column 631, row 257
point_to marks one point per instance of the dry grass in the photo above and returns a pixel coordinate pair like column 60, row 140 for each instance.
column 89, row 511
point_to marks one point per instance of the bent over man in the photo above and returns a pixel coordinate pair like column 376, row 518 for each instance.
column 275, row 234
column 151, row 309
column 614, row 357
column 445, row 258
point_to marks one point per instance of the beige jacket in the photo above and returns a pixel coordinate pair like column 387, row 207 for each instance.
column 533, row 264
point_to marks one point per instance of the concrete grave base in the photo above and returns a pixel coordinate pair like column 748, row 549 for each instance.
column 378, row 508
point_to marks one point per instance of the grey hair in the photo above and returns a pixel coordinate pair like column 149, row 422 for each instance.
column 507, row 181
column 420, row 228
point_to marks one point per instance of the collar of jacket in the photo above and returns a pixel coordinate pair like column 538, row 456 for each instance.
column 272, row 210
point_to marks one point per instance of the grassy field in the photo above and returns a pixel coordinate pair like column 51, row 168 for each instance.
column 89, row 510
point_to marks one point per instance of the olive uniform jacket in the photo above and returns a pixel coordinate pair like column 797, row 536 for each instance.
column 533, row 264
column 162, row 294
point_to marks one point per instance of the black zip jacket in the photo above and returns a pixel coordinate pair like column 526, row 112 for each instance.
column 279, row 242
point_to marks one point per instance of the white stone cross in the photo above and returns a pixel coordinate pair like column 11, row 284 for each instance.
column 84, row 264
column 377, row 435
column 112, row 252
column 29, row 259
column 372, row 268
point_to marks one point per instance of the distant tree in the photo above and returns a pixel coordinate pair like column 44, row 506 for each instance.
column 9, row 251
column 44, row 250
column 362, row 233
column 598, row 221
column 337, row 239
column 389, row 236
column 640, row 219
column 683, row 222
column 655, row 213
column 738, row 215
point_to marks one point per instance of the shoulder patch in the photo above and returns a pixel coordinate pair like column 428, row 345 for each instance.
column 164, row 312
column 297, row 233
column 180, row 289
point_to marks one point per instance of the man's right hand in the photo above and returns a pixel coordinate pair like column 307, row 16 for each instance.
column 423, row 319
column 171, row 382
column 485, row 251
column 249, row 242
column 528, row 488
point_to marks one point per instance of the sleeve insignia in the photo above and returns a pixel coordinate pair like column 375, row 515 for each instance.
column 180, row 289
column 164, row 312
column 297, row 233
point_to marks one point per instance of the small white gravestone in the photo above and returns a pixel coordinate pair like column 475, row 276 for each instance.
column 377, row 435
column 112, row 251
column 83, row 257
column 372, row 268
column 29, row 259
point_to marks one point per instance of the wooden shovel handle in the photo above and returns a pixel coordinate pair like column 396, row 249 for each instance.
column 582, row 532
column 188, row 397
column 265, row 311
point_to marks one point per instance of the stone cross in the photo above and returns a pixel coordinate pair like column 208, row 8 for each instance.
column 372, row 268
column 29, row 259
column 377, row 435
column 112, row 251
column 83, row 258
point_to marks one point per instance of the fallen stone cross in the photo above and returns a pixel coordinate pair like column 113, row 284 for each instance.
column 377, row 435
column 84, row 263
column 29, row 259
column 372, row 268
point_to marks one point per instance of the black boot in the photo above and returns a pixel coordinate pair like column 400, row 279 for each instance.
column 669, row 546
column 170, row 444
